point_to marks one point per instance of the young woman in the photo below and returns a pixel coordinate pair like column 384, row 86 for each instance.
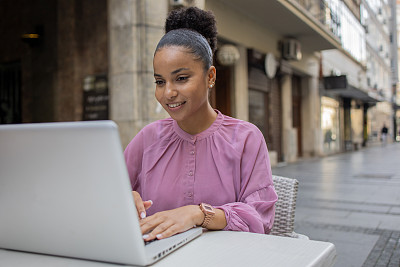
column 198, row 167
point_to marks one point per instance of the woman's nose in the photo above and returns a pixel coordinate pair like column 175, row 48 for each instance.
column 170, row 92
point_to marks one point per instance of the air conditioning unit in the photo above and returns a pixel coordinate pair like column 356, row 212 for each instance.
column 180, row 3
column 291, row 49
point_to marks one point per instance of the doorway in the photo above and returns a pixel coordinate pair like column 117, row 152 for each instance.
column 10, row 93
column 220, row 94
column 296, row 111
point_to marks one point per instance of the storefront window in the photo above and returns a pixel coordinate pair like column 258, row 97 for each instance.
column 258, row 110
column 330, row 124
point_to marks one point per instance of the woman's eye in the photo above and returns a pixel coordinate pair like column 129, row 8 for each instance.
column 182, row 78
column 159, row 82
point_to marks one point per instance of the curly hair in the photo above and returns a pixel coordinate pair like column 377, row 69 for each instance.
column 193, row 29
column 194, row 19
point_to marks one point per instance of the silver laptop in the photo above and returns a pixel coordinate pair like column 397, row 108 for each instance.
column 65, row 190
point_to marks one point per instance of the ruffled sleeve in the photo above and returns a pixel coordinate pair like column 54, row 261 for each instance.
column 254, row 210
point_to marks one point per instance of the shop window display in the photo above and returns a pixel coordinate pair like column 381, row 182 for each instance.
column 330, row 125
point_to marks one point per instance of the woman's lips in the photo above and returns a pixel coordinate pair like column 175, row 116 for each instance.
column 175, row 105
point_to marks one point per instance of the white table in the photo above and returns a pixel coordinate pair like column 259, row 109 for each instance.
column 211, row 249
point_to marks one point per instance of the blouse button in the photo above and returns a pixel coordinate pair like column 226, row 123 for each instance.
column 191, row 173
column 190, row 194
column 191, row 152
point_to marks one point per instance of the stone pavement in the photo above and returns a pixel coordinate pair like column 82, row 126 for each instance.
column 351, row 199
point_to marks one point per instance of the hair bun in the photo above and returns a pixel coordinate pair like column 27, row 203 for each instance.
column 194, row 19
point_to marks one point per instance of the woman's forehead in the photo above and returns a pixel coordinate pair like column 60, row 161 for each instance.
column 172, row 49
column 175, row 56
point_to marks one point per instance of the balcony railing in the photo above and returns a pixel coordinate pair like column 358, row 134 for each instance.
column 327, row 13
column 337, row 18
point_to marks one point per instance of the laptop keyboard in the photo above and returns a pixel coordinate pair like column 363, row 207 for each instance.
column 149, row 242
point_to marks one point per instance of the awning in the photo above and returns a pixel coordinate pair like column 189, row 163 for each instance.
column 339, row 85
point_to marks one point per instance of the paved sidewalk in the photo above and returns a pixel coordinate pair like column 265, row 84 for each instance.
column 352, row 200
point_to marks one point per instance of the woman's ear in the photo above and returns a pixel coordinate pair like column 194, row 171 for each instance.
column 212, row 76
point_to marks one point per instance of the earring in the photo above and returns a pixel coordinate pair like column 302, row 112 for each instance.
column 212, row 85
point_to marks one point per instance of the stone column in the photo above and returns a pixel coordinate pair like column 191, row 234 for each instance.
column 241, row 105
column 135, row 27
column 289, row 140
column 67, row 91
column 311, row 118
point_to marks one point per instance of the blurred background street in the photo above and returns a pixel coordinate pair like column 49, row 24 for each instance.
column 352, row 200
column 319, row 78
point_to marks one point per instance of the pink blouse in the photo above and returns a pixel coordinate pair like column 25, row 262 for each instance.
column 226, row 166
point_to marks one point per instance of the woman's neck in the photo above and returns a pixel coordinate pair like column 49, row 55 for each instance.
column 200, row 123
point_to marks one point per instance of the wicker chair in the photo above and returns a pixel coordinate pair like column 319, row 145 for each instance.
column 285, row 207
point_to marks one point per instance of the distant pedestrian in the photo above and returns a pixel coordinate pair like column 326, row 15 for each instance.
column 328, row 138
column 384, row 133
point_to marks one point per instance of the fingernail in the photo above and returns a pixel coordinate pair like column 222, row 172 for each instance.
column 159, row 236
column 142, row 215
column 145, row 236
column 151, row 202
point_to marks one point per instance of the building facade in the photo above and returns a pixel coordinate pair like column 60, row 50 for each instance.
column 377, row 18
column 308, row 73
column 48, row 48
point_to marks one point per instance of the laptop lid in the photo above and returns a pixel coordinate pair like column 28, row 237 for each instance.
column 64, row 190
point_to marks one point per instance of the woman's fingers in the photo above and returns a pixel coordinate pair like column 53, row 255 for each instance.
column 147, row 204
column 167, row 223
column 140, row 207
column 163, row 230
column 148, row 224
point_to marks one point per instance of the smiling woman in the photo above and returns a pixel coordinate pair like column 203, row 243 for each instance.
column 198, row 167
column 182, row 88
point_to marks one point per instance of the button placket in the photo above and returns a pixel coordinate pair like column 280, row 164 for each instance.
column 191, row 171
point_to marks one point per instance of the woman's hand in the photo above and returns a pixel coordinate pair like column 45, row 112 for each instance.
column 167, row 223
column 141, row 206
